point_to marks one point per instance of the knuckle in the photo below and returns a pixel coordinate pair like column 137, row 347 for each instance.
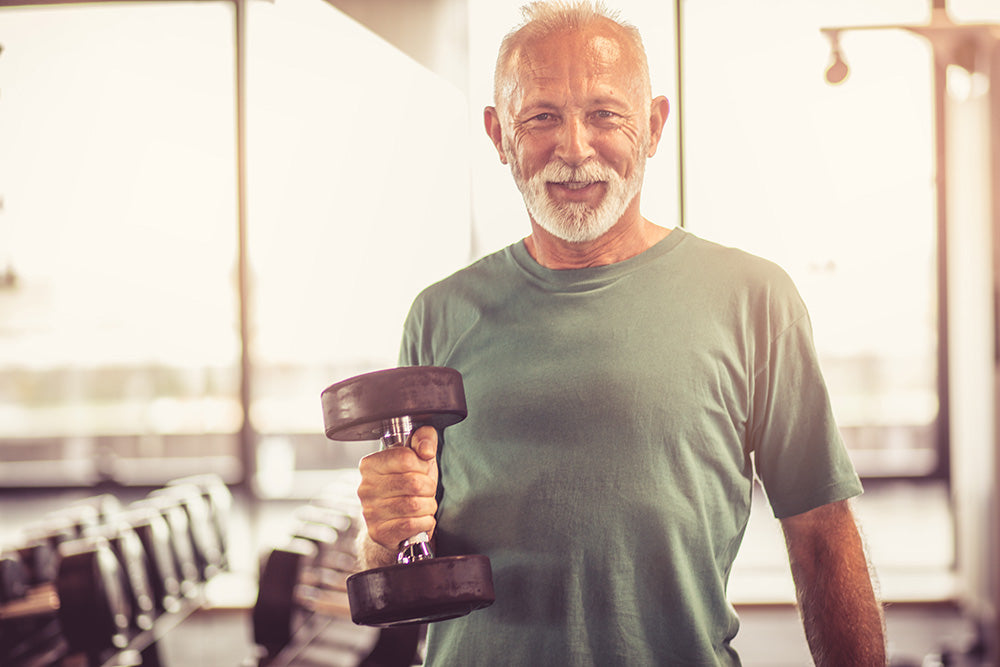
column 391, row 533
column 413, row 525
column 370, row 516
column 413, row 484
column 410, row 506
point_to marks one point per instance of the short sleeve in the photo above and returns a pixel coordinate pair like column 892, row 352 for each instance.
column 798, row 451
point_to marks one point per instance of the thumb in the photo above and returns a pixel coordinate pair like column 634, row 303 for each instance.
column 425, row 442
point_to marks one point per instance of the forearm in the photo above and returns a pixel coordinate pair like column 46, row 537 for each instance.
column 842, row 617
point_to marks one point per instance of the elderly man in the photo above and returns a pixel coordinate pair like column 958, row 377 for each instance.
column 625, row 383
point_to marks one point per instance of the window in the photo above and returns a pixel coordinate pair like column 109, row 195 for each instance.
column 118, row 337
column 836, row 184
column 119, row 233
column 358, row 198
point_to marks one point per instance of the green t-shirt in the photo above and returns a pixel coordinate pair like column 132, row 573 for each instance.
column 616, row 417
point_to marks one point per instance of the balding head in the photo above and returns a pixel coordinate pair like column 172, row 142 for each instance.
column 616, row 38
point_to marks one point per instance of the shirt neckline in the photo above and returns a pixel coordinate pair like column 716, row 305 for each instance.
column 579, row 280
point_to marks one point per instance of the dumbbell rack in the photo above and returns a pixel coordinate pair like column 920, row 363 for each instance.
column 99, row 585
column 302, row 615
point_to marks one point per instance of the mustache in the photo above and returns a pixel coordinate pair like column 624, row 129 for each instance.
column 560, row 172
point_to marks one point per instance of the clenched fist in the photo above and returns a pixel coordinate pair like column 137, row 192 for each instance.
column 397, row 492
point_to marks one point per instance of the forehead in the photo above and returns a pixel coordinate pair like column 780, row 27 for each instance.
column 593, row 62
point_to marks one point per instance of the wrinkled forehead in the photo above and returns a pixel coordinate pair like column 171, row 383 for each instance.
column 573, row 56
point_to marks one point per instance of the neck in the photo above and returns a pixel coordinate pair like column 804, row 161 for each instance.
column 628, row 238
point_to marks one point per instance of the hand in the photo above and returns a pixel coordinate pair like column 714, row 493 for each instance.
column 397, row 491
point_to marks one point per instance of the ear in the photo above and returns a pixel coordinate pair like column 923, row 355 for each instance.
column 491, row 119
column 659, row 108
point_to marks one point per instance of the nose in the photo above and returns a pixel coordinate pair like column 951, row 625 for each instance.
column 573, row 143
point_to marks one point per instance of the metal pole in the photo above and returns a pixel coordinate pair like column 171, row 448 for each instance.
column 943, row 424
column 993, row 630
column 679, row 32
column 247, row 439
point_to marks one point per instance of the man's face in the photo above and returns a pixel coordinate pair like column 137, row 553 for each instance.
column 576, row 132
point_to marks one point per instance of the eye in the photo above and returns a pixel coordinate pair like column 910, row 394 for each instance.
column 604, row 114
column 545, row 116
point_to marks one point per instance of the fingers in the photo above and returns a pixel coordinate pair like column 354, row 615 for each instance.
column 397, row 490
column 425, row 443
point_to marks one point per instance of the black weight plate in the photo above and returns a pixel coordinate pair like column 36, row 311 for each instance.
column 356, row 408
column 204, row 539
column 41, row 561
column 219, row 501
column 93, row 608
column 425, row 591
column 275, row 616
column 154, row 535
column 14, row 579
column 175, row 519
column 127, row 547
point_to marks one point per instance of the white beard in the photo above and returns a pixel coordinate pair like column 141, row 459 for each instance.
column 577, row 222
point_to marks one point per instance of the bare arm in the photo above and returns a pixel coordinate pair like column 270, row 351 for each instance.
column 397, row 493
column 843, row 620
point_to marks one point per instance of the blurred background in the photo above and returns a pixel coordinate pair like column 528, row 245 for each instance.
column 211, row 210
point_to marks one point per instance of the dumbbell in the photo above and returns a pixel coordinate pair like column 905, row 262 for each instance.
column 20, row 637
column 29, row 573
column 389, row 405
column 307, row 574
column 292, row 587
column 205, row 538
column 218, row 502
column 39, row 559
column 150, row 584
column 88, row 598
column 93, row 510
column 134, row 562
column 277, row 613
column 333, row 531
column 157, row 542
column 197, row 554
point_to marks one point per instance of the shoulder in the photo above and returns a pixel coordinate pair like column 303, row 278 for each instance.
column 488, row 272
column 754, row 293
column 736, row 271
column 726, row 260
column 442, row 312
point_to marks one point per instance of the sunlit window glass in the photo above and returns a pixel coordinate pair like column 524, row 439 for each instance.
column 118, row 337
column 358, row 198
column 835, row 183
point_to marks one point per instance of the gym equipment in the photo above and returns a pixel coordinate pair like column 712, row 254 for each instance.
column 95, row 583
column 307, row 574
column 204, row 539
column 277, row 613
column 182, row 548
column 40, row 560
column 389, row 405
column 88, row 598
column 218, row 501
column 154, row 534
column 131, row 555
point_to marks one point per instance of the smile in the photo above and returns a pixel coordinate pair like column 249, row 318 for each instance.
column 576, row 186
column 576, row 191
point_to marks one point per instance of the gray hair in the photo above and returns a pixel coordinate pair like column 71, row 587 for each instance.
column 544, row 18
